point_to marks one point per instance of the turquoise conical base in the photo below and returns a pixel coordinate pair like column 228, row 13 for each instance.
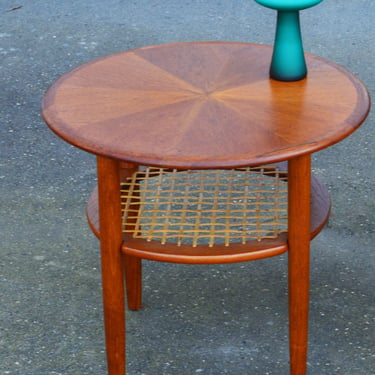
column 288, row 60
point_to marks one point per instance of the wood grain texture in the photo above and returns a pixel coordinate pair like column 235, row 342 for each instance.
column 299, row 260
column 203, row 105
column 111, row 263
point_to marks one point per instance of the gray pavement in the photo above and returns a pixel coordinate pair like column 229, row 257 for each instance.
column 212, row 320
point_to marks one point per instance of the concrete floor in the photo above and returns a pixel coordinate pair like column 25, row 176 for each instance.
column 209, row 320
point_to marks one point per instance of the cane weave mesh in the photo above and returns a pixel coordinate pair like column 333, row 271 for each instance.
column 205, row 206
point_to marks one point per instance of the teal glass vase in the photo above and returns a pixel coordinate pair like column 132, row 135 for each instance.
column 288, row 59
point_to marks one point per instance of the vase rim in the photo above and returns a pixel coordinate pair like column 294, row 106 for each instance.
column 288, row 4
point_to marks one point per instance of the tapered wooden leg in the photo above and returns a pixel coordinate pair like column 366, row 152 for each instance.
column 299, row 256
column 111, row 260
column 132, row 265
column 133, row 277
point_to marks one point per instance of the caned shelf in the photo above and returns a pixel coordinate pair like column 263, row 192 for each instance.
column 192, row 216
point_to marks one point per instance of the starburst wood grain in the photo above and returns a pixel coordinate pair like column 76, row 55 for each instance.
column 203, row 105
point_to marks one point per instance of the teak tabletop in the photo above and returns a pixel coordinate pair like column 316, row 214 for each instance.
column 208, row 104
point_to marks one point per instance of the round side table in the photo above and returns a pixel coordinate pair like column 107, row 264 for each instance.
column 199, row 107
